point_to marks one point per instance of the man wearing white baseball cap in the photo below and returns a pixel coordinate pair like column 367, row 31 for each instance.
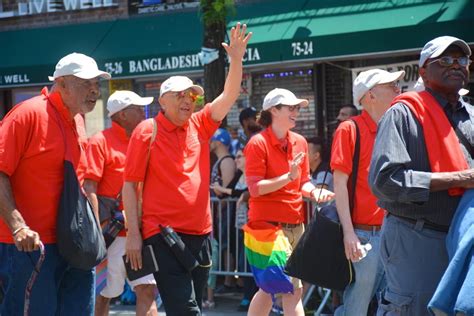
column 420, row 168
column 103, row 183
column 374, row 90
column 34, row 140
column 176, row 180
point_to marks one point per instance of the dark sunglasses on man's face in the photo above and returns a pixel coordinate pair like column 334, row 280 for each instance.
column 448, row 61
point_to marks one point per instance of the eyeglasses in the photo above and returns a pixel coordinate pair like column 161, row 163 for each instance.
column 393, row 84
column 293, row 108
column 448, row 61
column 186, row 93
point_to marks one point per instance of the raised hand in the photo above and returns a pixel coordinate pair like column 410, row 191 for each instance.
column 238, row 42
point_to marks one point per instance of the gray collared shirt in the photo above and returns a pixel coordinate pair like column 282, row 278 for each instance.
column 400, row 172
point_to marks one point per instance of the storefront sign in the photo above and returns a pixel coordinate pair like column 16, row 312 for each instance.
column 164, row 64
column 33, row 7
column 406, row 82
column 132, row 67
column 24, row 76
column 151, row 6
column 15, row 79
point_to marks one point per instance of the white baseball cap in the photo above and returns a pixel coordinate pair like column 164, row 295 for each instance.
column 78, row 65
column 179, row 83
column 437, row 46
column 282, row 96
column 121, row 99
column 368, row 79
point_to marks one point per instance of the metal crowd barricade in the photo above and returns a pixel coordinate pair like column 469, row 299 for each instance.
column 232, row 258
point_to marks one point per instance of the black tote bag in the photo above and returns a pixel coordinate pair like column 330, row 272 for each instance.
column 319, row 257
column 79, row 238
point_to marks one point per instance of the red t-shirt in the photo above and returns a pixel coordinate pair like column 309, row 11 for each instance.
column 266, row 159
column 176, row 188
column 365, row 211
column 32, row 151
column 106, row 154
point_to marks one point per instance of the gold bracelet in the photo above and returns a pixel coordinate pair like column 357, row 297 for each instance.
column 16, row 231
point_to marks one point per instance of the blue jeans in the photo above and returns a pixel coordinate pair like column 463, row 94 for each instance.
column 369, row 275
column 414, row 259
column 59, row 289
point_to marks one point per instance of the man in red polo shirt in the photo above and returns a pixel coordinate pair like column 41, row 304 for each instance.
column 104, row 180
column 374, row 90
column 176, row 180
column 33, row 139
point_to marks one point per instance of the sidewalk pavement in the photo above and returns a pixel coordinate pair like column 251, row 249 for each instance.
column 226, row 304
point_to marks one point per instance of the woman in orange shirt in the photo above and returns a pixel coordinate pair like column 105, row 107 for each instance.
column 277, row 172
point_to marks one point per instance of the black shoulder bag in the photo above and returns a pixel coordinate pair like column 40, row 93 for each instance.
column 79, row 238
column 319, row 256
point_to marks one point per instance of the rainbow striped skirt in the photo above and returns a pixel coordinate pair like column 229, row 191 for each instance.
column 267, row 250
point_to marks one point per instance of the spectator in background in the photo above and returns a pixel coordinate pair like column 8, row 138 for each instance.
column 223, row 169
column 222, row 173
column 234, row 140
column 104, row 179
column 321, row 175
column 374, row 89
column 248, row 121
column 236, row 188
column 36, row 136
column 346, row 112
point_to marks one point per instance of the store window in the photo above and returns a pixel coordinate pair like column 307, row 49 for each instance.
column 298, row 81
column 20, row 95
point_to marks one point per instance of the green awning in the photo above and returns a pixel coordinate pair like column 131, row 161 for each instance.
column 329, row 29
column 283, row 30
column 126, row 48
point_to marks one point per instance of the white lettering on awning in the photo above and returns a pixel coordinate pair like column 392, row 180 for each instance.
column 162, row 64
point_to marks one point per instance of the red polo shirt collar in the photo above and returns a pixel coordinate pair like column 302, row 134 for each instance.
column 56, row 100
column 276, row 142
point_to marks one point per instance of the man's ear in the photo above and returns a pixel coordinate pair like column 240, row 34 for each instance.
column 61, row 82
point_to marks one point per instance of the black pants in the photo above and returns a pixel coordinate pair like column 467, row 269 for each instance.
column 181, row 290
